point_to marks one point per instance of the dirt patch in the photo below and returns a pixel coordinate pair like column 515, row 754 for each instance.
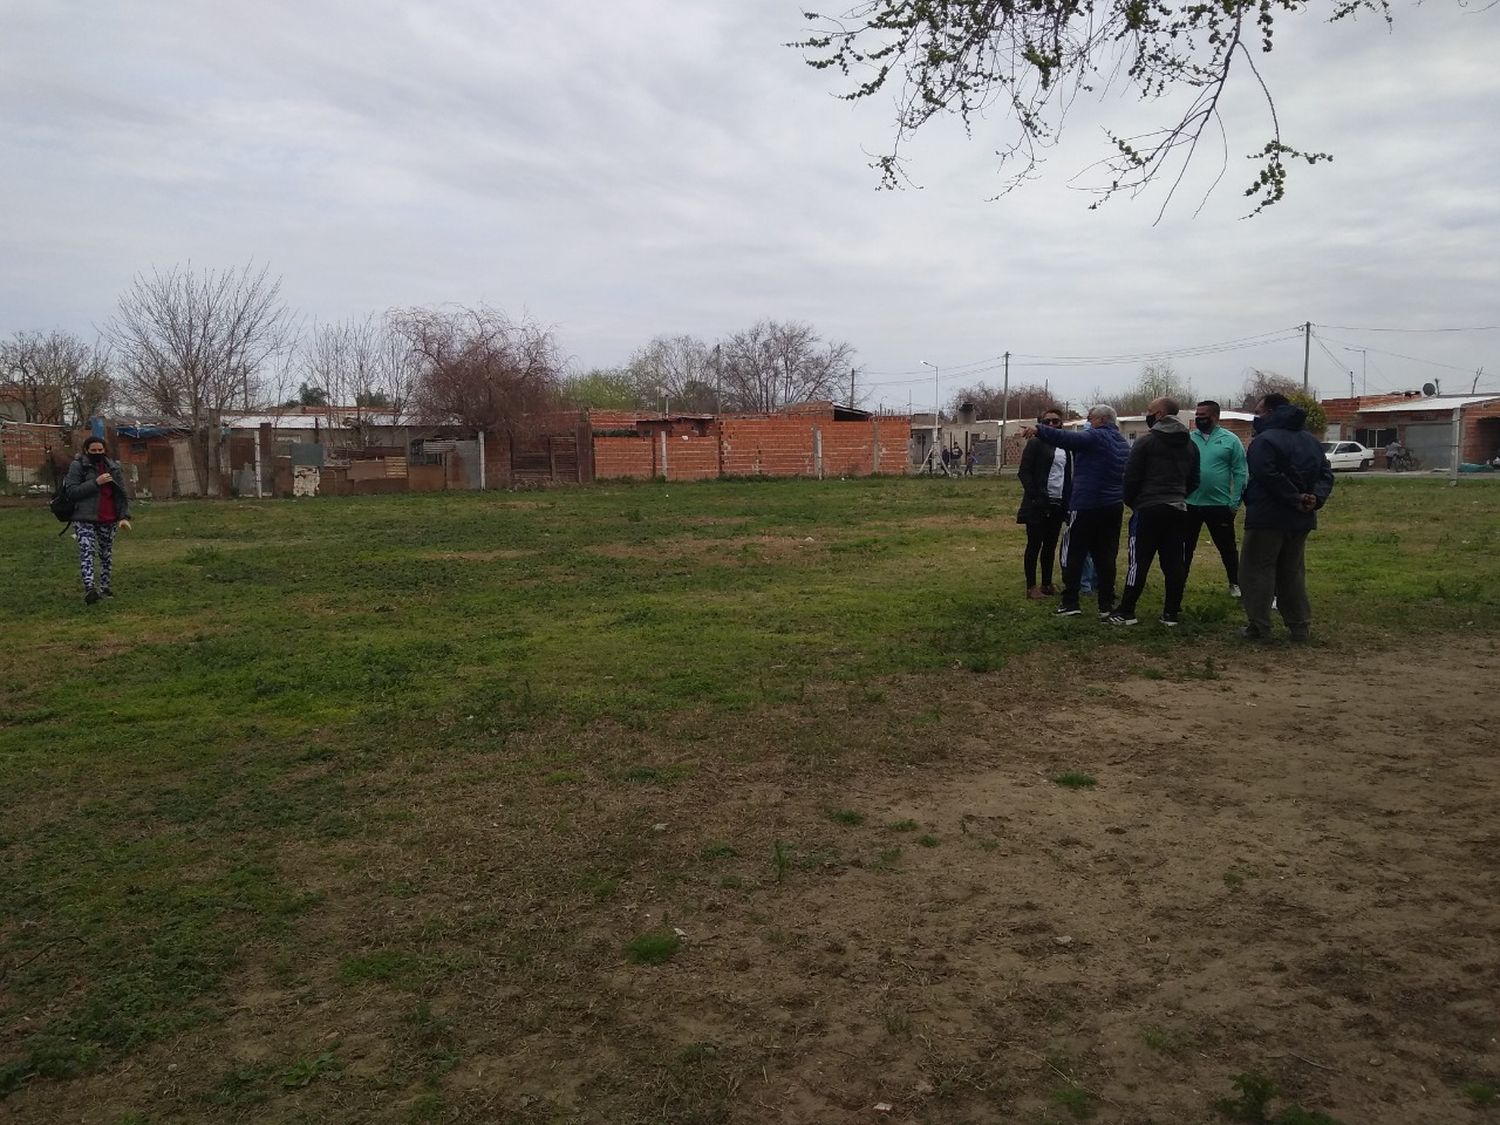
column 1286, row 863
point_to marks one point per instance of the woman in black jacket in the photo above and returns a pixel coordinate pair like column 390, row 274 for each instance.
column 1046, row 476
column 101, row 503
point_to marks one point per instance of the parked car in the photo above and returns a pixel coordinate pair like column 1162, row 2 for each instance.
column 1348, row 455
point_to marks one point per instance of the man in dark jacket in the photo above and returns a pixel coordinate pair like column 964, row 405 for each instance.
column 1290, row 479
column 1046, row 476
column 1097, row 504
column 1162, row 470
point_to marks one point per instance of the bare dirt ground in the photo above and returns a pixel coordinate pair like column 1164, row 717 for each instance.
column 1289, row 864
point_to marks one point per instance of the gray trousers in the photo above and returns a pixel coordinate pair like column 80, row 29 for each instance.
column 1273, row 567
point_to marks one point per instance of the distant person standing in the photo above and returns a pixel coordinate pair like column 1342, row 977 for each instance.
column 1161, row 472
column 1290, row 479
column 1046, row 476
column 101, row 503
column 1095, row 509
column 1222, row 474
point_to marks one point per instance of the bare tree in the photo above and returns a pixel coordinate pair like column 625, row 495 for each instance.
column 58, row 378
column 1258, row 384
column 1027, row 400
column 1156, row 380
column 194, row 343
column 478, row 367
column 1028, row 62
column 677, row 371
column 773, row 364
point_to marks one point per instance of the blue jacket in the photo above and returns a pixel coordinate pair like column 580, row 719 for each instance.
column 1285, row 462
column 1099, row 456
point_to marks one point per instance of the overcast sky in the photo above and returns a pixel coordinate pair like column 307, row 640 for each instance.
column 643, row 167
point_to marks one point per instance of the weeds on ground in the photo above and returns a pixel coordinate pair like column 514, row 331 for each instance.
column 655, row 947
column 1253, row 1105
column 1074, row 779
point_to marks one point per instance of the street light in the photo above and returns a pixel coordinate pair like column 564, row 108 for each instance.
column 932, row 453
column 1364, row 369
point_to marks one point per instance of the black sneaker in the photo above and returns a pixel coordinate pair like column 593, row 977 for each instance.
column 1250, row 633
column 1106, row 614
column 1066, row 611
column 90, row 597
column 1169, row 620
column 1123, row 619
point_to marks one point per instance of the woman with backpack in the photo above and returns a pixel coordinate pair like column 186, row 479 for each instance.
column 101, row 503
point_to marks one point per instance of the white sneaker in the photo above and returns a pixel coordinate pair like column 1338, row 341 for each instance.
column 1273, row 603
column 1234, row 591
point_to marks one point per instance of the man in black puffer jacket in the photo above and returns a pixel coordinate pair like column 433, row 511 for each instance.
column 1290, row 479
column 1162, row 470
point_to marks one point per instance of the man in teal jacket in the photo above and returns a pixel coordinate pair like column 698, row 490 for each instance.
column 1222, row 473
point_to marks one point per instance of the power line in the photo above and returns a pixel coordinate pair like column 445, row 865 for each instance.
column 1409, row 358
column 1348, row 328
column 950, row 372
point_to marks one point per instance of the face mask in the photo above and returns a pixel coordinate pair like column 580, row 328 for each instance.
column 1204, row 424
column 1151, row 420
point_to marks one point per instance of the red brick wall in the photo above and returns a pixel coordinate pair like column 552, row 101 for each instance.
column 772, row 447
column 624, row 457
column 759, row 445
column 1481, row 434
column 692, row 457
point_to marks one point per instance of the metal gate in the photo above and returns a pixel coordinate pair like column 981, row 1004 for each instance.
column 1432, row 442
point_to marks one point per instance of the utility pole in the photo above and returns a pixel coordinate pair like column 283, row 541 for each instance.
column 1306, row 352
column 933, row 452
column 1351, row 385
column 718, row 381
column 1004, row 408
column 851, row 388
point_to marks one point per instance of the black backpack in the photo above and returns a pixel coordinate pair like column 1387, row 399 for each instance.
column 61, row 504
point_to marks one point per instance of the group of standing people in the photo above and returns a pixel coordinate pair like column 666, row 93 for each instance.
column 1076, row 485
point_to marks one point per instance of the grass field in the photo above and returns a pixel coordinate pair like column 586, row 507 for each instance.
column 424, row 808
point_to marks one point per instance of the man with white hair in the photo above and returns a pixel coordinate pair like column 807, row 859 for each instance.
column 1097, row 504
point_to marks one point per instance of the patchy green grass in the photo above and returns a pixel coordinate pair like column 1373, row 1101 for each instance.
column 376, row 750
column 656, row 947
column 1074, row 779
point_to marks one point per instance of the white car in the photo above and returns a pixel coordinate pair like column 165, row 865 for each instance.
column 1348, row 455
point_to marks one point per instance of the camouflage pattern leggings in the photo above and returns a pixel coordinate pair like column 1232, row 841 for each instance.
column 94, row 537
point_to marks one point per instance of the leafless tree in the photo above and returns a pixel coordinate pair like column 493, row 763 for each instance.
column 193, row 343
column 1028, row 63
column 1156, row 380
column 677, row 371
column 58, row 378
column 1258, row 384
column 353, row 367
column 773, row 364
column 479, row 367
column 1027, row 400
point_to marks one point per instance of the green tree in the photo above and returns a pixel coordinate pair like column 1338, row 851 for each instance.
column 604, row 388
column 1317, row 418
column 1029, row 62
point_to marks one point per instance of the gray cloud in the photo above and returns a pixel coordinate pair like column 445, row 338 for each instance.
column 650, row 167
